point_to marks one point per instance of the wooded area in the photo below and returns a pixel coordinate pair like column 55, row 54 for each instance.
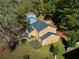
column 13, row 21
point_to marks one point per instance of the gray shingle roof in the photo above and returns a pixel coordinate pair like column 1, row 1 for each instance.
column 46, row 35
column 38, row 25
column 30, row 29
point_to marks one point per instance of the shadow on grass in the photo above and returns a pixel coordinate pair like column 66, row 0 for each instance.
column 26, row 57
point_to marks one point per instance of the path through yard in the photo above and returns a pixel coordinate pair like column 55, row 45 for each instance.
column 62, row 34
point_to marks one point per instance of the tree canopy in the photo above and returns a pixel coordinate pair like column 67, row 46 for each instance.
column 11, row 21
column 69, row 14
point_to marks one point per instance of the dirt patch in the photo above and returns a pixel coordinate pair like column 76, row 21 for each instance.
column 40, row 17
column 62, row 34
column 3, row 48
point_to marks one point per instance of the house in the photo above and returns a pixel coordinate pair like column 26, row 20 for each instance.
column 42, row 31
column 73, row 54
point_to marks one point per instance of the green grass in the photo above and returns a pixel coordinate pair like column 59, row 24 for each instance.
column 44, row 50
column 35, row 44
column 61, row 49
column 24, row 49
column 40, row 53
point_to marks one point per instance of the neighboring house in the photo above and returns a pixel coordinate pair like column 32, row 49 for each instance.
column 74, row 54
column 42, row 31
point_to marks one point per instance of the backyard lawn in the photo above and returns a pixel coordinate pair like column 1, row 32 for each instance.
column 61, row 49
column 40, row 53
column 26, row 49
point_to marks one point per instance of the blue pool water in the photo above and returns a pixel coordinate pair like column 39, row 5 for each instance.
column 31, row 17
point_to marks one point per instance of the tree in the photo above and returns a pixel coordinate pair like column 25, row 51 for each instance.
column 54, row 50
column 7, row 13
column 44, row 7
column 49, row 7
column 11, row 26
column 69, row 14
column 40, row 7
column 73, row 38
column 26, row 57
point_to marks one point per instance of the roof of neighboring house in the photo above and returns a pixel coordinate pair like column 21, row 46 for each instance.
column 74, row 54
column 46, row 35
